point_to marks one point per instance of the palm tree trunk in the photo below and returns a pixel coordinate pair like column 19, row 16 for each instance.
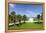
column 20, row 22
column 38, row 21
column 13, row 21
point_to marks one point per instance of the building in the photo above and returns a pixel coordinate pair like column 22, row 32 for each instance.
column 30, row 20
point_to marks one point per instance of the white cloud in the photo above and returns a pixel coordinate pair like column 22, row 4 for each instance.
column 12, row 5
column 32, row 14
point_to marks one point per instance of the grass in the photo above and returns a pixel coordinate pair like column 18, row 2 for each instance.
column 28, row 25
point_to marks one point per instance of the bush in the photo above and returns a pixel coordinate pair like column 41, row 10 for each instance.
column 38, row 22
column 17, row 24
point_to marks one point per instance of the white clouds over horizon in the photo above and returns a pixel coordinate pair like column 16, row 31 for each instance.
column 23, row 11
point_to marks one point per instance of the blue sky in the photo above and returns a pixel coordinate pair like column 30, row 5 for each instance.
column 26, row 9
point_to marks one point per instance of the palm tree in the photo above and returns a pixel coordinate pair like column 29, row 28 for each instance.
column 24, row 18
column 9, row 19
column 38, row 17
column 19, row 18
column 13, row 18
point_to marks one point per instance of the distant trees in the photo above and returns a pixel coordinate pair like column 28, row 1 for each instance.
column 38, row 19
column 19, row 18
column 38, row 16
column 24, row 18
column 13, row 18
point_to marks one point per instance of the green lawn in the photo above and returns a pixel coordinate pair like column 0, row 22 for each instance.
column 28, row 25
